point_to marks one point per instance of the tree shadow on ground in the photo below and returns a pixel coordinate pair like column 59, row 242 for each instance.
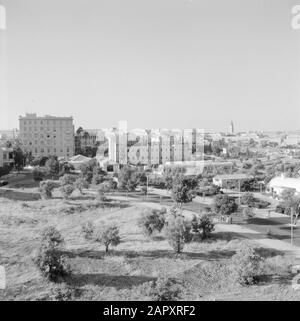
column 101, row 279
column 263, row 221
column 266, row 279
column 82, row 197
column 157, row 238
column 266, row 253
column 19, row 195
column 155, row 254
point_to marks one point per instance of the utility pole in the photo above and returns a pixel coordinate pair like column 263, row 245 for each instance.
column 239, row 192
column 147, row 184
column 292, row 214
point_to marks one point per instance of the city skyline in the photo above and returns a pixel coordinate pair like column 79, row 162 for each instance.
column 101, row 62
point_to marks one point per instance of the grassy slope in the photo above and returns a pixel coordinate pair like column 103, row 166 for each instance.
column 119, row 275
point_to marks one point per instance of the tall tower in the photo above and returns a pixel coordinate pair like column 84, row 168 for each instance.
column 231, row 128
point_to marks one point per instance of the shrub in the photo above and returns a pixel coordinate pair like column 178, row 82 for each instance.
column 128, row 178
column 102, row 189
column 80, row 184
column 261, row 204
column 40, row 161
column 246, row 266
column 164, row 289
column 203, row 224
column 66, row 190
column 108, row 235
column 247, row 199
column 144, row 190
column 152, row 220
column 88, row 169
column 98, row 179
column 88, row 229
column 62, row 292
column 4, row 170
column 183, row 189
column 248, row 213
column 67, row 179
column 46, row 188
column 52, row 166
column 278, row 265
column 50, row 235
column 112, row 184
column 49, row 259
column 38, row 175
column 178, row 231
column 224, row 205
column 212, row 276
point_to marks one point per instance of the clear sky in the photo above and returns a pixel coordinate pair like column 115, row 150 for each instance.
column 155, row 63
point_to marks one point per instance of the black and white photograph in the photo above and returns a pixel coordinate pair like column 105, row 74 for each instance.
column 149, row 151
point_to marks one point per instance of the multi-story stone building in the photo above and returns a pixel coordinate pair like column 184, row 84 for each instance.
column 47, row 135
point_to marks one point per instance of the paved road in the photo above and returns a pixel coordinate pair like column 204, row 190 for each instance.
column 277, row 225
column 257, row 230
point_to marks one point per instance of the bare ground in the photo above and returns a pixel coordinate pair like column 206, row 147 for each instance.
column 120, row 274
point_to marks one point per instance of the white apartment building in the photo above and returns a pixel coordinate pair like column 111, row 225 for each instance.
column 155, row 146
column 187, row 144
column 138, row 147
column 47, row 135
column 165, row 146
column 198, row 144
column 111, row 136
column 176, row 145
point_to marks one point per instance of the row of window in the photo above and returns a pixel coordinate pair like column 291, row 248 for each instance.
column 47, row 121
column 50, row 151
column 29, row 135
column 67, row 131
column 48, row 142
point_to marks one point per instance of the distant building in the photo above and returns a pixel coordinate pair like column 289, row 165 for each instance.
column 47, row 135
column 226, row 180
column 6, row 156
column 153, row 147
column 191, row 168
column 8, row 136
column 278, row 184
column 78, row 160
column 87, row 138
